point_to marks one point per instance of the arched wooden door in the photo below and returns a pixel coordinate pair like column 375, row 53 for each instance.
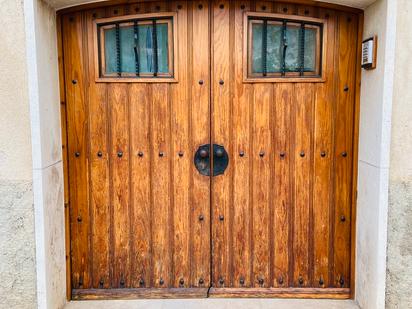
column 152, row 90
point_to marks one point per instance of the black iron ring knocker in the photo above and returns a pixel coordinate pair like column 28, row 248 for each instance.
column 202, row 160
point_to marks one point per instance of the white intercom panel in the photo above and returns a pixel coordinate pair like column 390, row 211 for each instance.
column 369, row 48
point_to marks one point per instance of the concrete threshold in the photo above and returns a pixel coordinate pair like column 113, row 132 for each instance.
column 215, row 303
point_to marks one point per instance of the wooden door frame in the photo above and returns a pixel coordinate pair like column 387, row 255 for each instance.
column 355, row 141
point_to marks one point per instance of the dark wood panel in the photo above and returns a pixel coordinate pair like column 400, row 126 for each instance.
column 221, row 134
column 101, row 294
column 140, row 182
column 242, row 156
column 286, row 199
column 314, row 293
column 199, row 105
column 181, row 154
column 346, row 74
column 77, row 127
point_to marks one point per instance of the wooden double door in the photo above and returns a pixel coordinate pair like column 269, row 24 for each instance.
column 143, row 222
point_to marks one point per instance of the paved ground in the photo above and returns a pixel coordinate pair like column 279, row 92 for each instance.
column 214, row 303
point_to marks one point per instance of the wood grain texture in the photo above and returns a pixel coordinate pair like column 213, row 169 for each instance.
column 77, row 126
column 200, row 135
column 159, row 293
column 145, row 224
column 314, row 293
column 347, row 40
column 221, row 135
column 241, row 127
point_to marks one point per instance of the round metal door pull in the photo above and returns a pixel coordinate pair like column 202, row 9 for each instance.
column 202, row 160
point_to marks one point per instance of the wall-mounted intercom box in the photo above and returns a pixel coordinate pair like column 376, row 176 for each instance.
column 369, row 53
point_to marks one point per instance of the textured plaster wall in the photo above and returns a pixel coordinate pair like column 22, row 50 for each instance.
column 374, row 146
column 399, row 267
column 41, row 45
column 17, row 241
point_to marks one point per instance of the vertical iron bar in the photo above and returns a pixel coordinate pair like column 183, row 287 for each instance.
column 119, row 64
column 285, row 46
column 302, row 49
column 154, row 41
column 136, row 47
column 264, row 47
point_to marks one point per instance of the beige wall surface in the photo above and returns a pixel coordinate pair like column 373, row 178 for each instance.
column 399, row 268
column 17, row 245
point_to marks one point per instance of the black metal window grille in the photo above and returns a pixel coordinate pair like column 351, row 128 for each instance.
column 136, row 48
column 284, row 44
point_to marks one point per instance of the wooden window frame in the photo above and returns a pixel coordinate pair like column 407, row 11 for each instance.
column 164, row 17
column 289, row 77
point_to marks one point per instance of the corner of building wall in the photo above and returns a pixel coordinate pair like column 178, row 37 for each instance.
column 46, row 154
column 375, row 140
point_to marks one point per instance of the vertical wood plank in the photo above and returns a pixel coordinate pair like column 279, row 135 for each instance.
column 160, row 143
column 119, row 152
column 347, row 39
column 303, row 129
column 241, row 110
column 200, row 135
column 181, row 154
column 140, row 100
column 77, row 124
column 221, row 126
column 99, row 166
column 281, row 184
column 323, row 154
column 261, row 153
column 262, row 161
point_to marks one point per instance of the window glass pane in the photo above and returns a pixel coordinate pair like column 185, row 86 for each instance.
column 274, row 50
column 257, row 48
column 292, row 63
column 274, row 54
column 162, row 43
column 310, row 49
column 127, row 58
column 145, row 49
column 110, row 50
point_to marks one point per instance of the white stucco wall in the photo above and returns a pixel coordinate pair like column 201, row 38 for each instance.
column 17, row 247
column 44, row 168
column 44, row 101
column 399, row 268
column 374, row 147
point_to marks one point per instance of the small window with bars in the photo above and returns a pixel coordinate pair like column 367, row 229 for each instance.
column 280, row 47
column 136, row 48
